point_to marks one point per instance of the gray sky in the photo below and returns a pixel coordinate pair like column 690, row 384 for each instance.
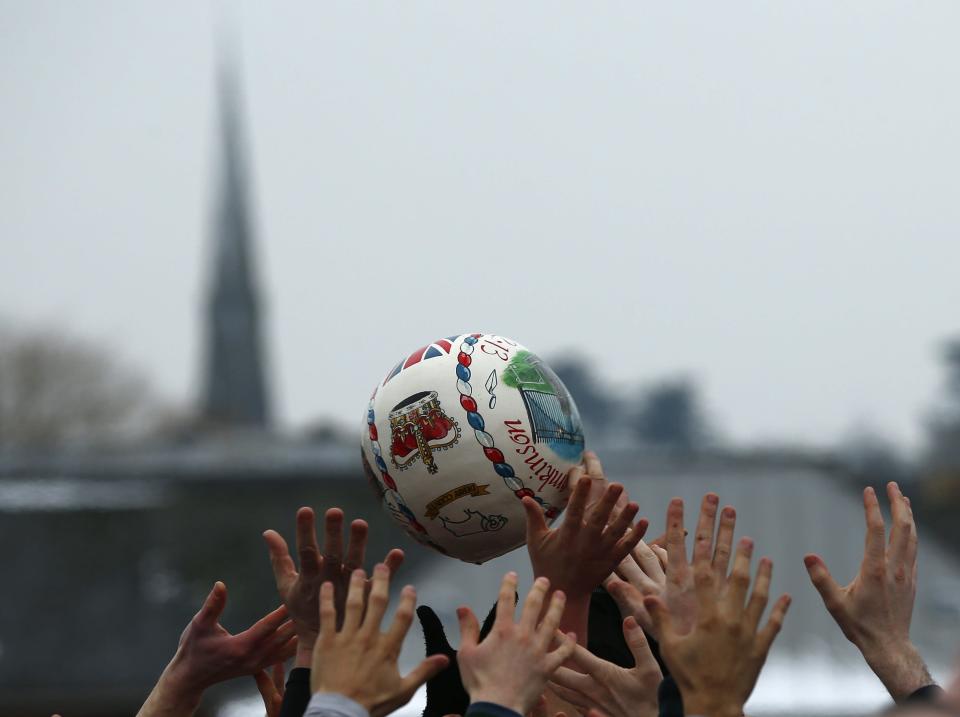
column 762, row 195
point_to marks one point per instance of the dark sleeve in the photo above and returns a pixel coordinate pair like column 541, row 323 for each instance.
column 490, row 709
column 605, row 630
column 927, row 694
column 669, row 699
column 297, row 695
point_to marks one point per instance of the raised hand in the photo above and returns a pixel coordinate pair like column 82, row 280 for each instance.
column 615, row 691
column 716, row 663
column 590, row 542
column 511, row 666
column 639, row 574
column 875, row 609
column 208, row 654
column 299, row 591
column 358, row 660
column 679, row 593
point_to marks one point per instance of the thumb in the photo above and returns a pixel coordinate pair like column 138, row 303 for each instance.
column 660, row 616
column 433, row 633
column 823, row 582
column 637, row 642
column 423, row 672
column 491, row 618
column 536, row 523
column 213, row 606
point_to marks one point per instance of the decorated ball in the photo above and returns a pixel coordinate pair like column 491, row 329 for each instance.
column 459, row 432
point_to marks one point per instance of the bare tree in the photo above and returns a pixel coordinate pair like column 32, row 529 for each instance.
column 56, row 390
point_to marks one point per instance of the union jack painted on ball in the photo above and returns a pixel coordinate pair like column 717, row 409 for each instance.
column 459, row 432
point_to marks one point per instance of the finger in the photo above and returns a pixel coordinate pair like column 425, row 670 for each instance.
column 599, row 513
column 637, row 644
column 739, row 580
column 283, row 568
column 268, row 624
column 333, row 537
column 572, row 679
column 357, row 547
column 874, row 553
column 911, row 557
column 706, row 525
column 628, row 570
column 649, row 562
column 469, row 627
column 660, row 617
column 402, row 619
column 629, row 540
column 213, row 606
column 353, row 610
column 533, row 605
column 307, row 548
column 377, row 600
column 281, row 636
column 551, row 620
column 676, row 551
column 505, row 604
column 619, row 525
column 592, row 465
column 573, row 520
column 328, row 612
column 426, row 670
column 278, row 677
column 282, row 653
column 561, row 654
column 266, row 688
column 661, row 555
column 589, row 663
column 769, row 633
column 760, row 594
column 830, row 591
column 536, row 522
column 706, row 590
column 724, row 546
column 902, row 532
column 394, row 560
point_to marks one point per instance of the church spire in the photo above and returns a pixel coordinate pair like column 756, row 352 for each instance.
column 235, row 387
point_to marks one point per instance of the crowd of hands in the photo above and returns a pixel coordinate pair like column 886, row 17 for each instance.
column 693, row 623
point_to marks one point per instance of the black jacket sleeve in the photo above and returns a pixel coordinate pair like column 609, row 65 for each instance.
column 297, row 695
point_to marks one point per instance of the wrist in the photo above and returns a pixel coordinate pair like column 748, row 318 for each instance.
column 900, row 668
column 304, row 656
column 174, row 692
column 706, row 707
column 499, row 696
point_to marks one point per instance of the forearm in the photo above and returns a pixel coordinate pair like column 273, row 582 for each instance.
column 168, row 699
column 576, row 617
column 901, row 670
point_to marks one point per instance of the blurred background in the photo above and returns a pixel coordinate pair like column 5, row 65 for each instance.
column 731, row 228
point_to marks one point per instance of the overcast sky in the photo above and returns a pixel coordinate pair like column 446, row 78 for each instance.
column 761, row 195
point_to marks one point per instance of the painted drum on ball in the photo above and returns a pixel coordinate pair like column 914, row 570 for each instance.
column 459, row 432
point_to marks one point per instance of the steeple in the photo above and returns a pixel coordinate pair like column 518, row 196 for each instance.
column 235, row 386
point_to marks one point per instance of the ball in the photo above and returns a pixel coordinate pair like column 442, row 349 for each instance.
column 459, row 432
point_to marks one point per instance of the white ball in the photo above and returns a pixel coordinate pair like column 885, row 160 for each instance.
column 459, row 432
